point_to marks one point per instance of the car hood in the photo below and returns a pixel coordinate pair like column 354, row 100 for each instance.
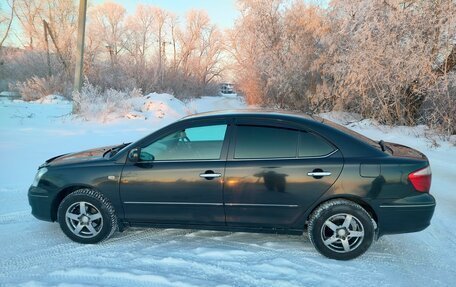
column 79, row 157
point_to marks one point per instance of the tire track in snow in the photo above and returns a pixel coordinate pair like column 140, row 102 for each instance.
column 13, row 217
column 11, row 266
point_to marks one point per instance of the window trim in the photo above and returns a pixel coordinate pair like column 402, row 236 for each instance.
column 284, row 158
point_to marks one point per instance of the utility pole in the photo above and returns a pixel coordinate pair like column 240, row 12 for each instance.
column 163, row 60
column 47, row 48
column 80, row 50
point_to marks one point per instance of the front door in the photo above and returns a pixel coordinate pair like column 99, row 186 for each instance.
column 179, row 178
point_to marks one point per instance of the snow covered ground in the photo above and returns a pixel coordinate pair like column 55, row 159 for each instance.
column 36, row 253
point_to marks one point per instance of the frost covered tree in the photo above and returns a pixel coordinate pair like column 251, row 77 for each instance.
column 142, row 44
column 6, row 20
column 150, row 50
column 47, row 34
column 387, row 59
column 107, row 22
column 256, row 43
column 201, row 47
column 391, row 60
column 28, row 14
column 274, row 45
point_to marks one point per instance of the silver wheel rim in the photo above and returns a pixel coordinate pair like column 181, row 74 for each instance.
column 84, row 219
column 342, row 233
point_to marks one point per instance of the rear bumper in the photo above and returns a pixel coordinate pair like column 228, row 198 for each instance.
column 405, row 215
column 40, row 203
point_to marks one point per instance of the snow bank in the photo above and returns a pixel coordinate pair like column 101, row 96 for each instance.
column 113, row 105
column 52, row 99
column 155, row 106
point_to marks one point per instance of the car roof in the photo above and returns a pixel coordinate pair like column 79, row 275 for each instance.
column 263, row 113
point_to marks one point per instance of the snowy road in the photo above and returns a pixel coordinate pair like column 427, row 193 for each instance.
column 36, row 253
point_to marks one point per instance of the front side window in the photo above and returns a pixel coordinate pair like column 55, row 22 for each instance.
column 255, row 142
column 198, row 143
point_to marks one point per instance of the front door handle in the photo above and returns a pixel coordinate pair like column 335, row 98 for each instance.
column 209, row 174
column 318, row 173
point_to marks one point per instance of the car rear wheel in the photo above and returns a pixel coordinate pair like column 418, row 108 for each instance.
column 86, row 216
column 341, row 229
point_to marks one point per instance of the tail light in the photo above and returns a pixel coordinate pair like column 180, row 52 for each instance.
column 421, row 179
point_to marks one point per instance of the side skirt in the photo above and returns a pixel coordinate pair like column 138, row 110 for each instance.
column 216, row 228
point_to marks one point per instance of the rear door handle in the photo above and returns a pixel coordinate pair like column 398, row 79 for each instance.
column 319, row 173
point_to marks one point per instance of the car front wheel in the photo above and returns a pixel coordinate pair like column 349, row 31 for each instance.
column 86, row 216
column 341, row 229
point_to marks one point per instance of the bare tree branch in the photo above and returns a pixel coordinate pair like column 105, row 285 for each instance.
column 9, row 24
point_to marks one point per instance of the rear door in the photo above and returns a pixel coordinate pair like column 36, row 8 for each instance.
column 275, row 172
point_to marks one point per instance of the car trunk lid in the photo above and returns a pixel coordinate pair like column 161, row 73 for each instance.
column 404, row 151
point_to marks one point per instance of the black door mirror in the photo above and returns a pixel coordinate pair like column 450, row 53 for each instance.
column 133, row 155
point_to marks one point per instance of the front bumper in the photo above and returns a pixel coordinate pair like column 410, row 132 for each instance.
column 405, row 215
column 40, row 202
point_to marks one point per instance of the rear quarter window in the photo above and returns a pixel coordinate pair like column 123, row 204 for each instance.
column 312, row 145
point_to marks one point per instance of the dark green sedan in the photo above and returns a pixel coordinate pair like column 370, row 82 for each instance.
column 255, row 171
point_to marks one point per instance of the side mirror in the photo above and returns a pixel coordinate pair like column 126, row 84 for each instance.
column 133, row 155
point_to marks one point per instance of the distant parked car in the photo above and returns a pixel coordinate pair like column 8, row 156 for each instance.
column 242, row 171
column 227, row 89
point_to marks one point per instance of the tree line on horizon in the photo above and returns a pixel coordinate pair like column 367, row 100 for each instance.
column 390, row 60
column 150, row 49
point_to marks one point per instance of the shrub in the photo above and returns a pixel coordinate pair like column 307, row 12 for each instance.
column 94, row 103
column 36, row 88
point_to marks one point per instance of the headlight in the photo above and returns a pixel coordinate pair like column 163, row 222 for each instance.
column 38, row 176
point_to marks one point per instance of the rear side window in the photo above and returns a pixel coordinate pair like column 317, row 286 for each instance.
column 313, row 145
column 254, row 142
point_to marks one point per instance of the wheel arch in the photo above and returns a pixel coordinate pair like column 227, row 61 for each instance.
column 355, row 199
column 62, row 194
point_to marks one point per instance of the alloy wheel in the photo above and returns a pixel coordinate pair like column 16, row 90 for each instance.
column 342, row 233
column 84, row 219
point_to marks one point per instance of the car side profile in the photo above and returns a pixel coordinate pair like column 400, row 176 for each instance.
column 242, row 170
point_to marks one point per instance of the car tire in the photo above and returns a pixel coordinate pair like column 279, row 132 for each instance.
column 86, row 216
column 341, row 229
